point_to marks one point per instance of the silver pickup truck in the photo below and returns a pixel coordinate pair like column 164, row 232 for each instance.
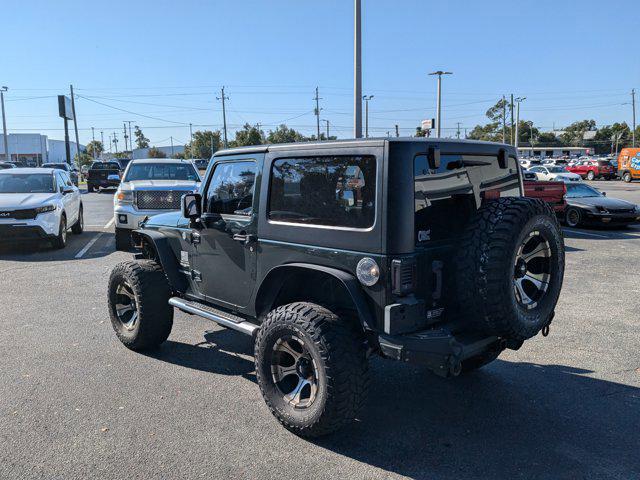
column 150, row 187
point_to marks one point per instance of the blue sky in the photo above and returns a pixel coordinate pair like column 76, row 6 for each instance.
column 168, row 59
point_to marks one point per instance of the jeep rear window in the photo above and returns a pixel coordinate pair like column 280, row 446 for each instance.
column 336, row 191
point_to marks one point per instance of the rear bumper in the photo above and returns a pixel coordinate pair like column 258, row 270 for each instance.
column 438, row 349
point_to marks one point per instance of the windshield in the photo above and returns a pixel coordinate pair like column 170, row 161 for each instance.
column 557, row 169
column 162, row 171
column 105, row 166
column 26, row 183
column 581, row 191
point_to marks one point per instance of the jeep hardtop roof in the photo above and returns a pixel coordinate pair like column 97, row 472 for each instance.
column 478, row 146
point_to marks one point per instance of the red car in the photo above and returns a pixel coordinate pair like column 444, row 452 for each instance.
column 592, row 169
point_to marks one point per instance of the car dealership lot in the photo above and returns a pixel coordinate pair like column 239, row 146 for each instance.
column 75, row 403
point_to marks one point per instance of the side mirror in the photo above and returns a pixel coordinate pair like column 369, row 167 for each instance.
column 433, row 156
column 604, row 194
column 67, row 190
column 192, row 206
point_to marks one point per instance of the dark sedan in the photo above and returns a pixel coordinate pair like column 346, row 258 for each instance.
column 588, row 206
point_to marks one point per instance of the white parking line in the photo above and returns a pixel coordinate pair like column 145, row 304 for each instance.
column 86, row 248
column 585, row 233
column 110, row 222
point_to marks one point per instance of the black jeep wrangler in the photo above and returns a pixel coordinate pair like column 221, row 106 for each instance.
column 418, row 250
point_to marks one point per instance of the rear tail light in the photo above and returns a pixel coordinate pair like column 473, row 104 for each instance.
column 404, row 275
column 492, row 194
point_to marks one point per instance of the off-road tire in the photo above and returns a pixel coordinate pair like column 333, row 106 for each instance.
column 152, row 292
column 591, row 176
column 60, row 241
column 337, row 347
column 123, row 239
column 78, row 227
column 486, row 263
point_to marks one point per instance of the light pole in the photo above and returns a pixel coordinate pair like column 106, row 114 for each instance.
column 357, row 71
column 517, row 100
column 327, row 122
column 439, row 73
column 366, row 99
column 530, row 123
column 4, row 125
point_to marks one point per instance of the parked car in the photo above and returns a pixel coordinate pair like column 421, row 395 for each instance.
column 201, row 164
column 530, row 162
column 6, row 165
column 554, row 173
column 72, row 170
column 592, row 169
column 150, row 187
column 589, row 206
column 103, row 175
column 325, row 258
column 629, row 164
column 528, row 175
column 39, row 204
column 553, row 193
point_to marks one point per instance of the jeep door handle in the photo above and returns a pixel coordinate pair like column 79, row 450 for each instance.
column 244, row 238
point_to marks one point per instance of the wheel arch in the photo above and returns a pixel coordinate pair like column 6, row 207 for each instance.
column 289, row 283
column 165, row 257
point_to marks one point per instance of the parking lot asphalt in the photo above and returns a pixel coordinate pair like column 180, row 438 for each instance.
column 74, row 403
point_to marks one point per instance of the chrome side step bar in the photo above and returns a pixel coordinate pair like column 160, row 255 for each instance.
column 219, row 317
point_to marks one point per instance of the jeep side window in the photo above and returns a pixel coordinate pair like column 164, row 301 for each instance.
column 231, row 189
column 336, row 191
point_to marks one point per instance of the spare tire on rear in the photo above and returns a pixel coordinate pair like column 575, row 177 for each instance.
column 510, row 268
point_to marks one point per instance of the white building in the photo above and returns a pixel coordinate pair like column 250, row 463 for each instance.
column 548, row 152
column 31, row 149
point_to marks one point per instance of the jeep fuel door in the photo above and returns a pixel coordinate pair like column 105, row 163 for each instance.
column 225, row 254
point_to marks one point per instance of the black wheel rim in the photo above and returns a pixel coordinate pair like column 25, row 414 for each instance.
column 573, row 217
column 294, row 372
column 532, row 270
column 126, row 306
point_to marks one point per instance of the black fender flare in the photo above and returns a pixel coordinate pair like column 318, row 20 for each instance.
column 269, row 289
column 166, row 257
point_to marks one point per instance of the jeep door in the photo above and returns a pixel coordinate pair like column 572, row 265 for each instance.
column 225, row 259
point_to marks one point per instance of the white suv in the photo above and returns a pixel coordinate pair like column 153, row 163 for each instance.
column 38, row 204
column 150, row 187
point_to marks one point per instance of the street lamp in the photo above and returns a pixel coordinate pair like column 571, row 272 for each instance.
column 439, row 73
column 366, row 114
column 4, row 124
column 517, row 100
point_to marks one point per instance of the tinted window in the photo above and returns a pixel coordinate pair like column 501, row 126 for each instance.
column 231, row 189
column 162, row 171
column 26, row 183
column 447, row 163
column 580, row 190
column 337, row 191
column 59, row 166
column 105, row 166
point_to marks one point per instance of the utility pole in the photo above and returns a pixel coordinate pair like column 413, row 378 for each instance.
column 366, row 115
column 124, row 130
column 327, row 122
column 397, row 131
column 633, row 106
column 504, row 120
column 517, row 100
column 224, row 116
column 75, row 126
column 357, row 70
column 458, row 131
column 511, row 142
column 4, row 125
column 439, row 73
column 212, row 139
column 191, row 132
column 171, row 146
column 130, row 138
column 102, row 142
column 93, row 140
column 115, row 141
column 317, row 113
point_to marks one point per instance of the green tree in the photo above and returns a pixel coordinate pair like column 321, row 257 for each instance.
column 156, row 153
column 201, row 145
column 248, row 135
column 95, row 148
column 574, row 133
column 85, row 159
column 284, row 134
column 141, row 140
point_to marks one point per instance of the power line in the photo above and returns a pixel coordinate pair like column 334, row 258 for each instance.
column 129, row 111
